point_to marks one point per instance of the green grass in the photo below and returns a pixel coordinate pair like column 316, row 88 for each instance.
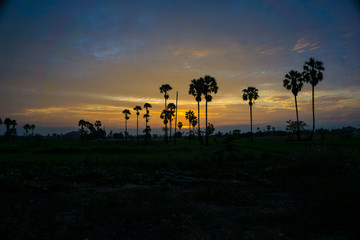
column 270, row 188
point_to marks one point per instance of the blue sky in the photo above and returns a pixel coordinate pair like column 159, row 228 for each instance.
column 65, row 60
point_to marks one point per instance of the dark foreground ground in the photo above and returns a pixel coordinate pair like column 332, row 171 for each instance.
column 233, row 189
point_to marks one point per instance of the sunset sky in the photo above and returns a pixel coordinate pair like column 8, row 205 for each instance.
column 62, row 61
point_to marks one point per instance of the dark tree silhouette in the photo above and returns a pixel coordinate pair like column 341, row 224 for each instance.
column 313, row 75
column 165, row 88
column 27, row 127
column 82, row 131
column 250, row 94
column 210, row 86
column 180, row 125
column 171, row 112
column 137, row 109
column 98, row 124
column 294, row 81
column 165, row 115
column 32, row 127
column 147, row 129
column 211, row 129
column 189, row 115
column 126, row 112
column 196, row 89
column 1, row 122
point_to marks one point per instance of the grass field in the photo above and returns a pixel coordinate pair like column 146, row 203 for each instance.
column 270, row 188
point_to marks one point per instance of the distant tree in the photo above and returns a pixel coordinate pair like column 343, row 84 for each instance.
column 180, row 125
column 32, row 127
column 268, row 128
column 194, row 122
column 294, row 81
column 294, row 126
column 127, row 113
column 137, row 109
column 273, row 129
column 210, row 128
column 82, row 131
column 313, row 75
column 165, row 88
column 147, row 130
column 98, row 124
column 189, row 115
column 196, row 89
column 171, row 112
column 250, row 94
column 27, row 128
column 210, row 86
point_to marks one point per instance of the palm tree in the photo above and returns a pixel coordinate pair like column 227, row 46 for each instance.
column 294, row 81
column 250, row 94
column 171, row 111
column 165, row 115
column 210, row 86
column 147, row 116
column 164, row 89
column 32, row 127
column 196, row 89
column 98, row 124
column 137, row 109
column 126, row 112
column 27, row 127
column 313, row 75
column 189, row 115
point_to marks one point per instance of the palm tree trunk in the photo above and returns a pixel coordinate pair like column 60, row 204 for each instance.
column 313, row 111
column 251, row 134
column 170, row 130
column 206, row 125
column 125, row 129
column 297, row 119
column 199, row 134
column 166, row 129
column 137, row 128
column 176, row 116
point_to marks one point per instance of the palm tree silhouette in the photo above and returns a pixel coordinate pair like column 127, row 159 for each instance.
column 294, row 81
column 210, row 86
column 189, row 115
column 313, row 75
column 27, row 127
column 164, row 89
column 98, row 124
column 171, row 114
column 250, row 94
column 196, row 89
column 137, row 109
column 126, row 112
column 32, row 127
column 165, row 116
column 147, row 116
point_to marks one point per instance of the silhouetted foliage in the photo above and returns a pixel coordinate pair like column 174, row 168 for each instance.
column 294, row 126
column 171, row 111
column 10, row 132
column 196, row 89
column 165, row 88
column 250, row 94
column 127, row 113
column 137, row 109
column 190, row 116
column 294, row 82
column 210, row 86
column 313, row 75
column 210, row 129
column 147, row 129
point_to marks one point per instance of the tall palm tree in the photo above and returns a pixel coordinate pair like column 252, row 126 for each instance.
column 189, row 115
column 165, row 116
column 196, row 89
column 171, row 111
column 294, row 81
column 210, row 86
column 250, row 94
column 165, row 88
column 147, row 116
column 313, row 75
column 126, row 112
column 137, row 109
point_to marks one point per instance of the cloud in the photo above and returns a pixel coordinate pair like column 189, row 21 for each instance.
column 303, row 45
column 271, row 51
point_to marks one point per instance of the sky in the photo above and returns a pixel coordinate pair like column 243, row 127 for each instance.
column 62, row 61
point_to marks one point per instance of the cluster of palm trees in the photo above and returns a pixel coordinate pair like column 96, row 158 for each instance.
column 29, row 127
column 89, row 130
column 294, row 81
column 8, row 122
column 147, row 129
